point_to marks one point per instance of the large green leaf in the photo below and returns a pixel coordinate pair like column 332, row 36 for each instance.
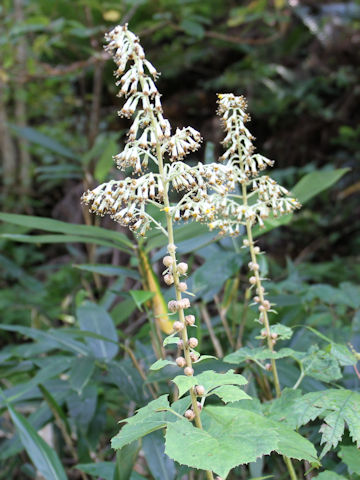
column 209, row 380
column 103, row 470
column 316, row 182
column 230, row 437
column 350, row 455
column 147, row 420
column 125, row 460
column 42, row 455
column 96, row 319
column 51, row 225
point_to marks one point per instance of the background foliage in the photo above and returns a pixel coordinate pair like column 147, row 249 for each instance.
column 72, row 289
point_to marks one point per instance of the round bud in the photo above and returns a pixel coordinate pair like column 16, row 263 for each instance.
column 257, row 299
column 173, row 305
column 256, row 250
column 194, row 356
column 252, row 280
column 193, row 342
column 266, row 304
column 262, row 308
column 180, row 362
column 274, row 336
column 183, row 303
column 255, row 267
column 182, row 287
column 177, row 326
column 180, row 344
column 268, row 366
column 190, row 320
column 189, row 372
column 246, row 242
column 263, row 332
column 190, row 415
column 182, row 268
column 168, row 261
column 261, row 289
column 168, row 279
column 171, row 248
column 200, row 390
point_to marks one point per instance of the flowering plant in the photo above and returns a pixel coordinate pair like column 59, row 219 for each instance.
column 231, row 197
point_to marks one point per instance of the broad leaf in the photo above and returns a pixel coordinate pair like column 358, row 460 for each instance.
column 160, row 465
column 103, row 470
column 350, row 455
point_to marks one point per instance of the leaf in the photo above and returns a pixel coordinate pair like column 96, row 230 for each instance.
column 321, row 365
column 316, row 182
column 327, row 475
column 336, row 407
column 125, row 460
column 105, row 163
column 105, row 470
column 160, row 465
column 82, row 407
column 51, row 225
column 147, row 420
column 258, row 353
column 230, row 437
column 350, row 455
column 161, row 363
column 140, row 297
column 44, row 141
column 55, row 408
column 43, row 457
column 171, row 340
column 80, row 373
column 230, row 393
column 38, row 239
column 96, row 319
column 342, row 354
column 110, row 270
column 184, row 383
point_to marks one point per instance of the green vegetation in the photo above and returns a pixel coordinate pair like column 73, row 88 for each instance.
column 90, row 328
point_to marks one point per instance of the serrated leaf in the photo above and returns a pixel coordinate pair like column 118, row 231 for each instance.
column 210, row 379
column 258, row 353
column 336, row 407
column 230, row 437
column 321, row 365
column 147, row 420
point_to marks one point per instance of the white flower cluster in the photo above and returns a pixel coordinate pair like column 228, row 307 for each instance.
column 225, row 208
column 149, row 136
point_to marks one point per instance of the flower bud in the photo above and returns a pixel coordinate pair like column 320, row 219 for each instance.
column 193, row 342
column 257, row 299
column 180, row 362
column 246, row 242
column 190, row 320
column 268, row 366
column 252, row 280
column 256, row 250
column 183, row 303
column 200, row 390
column 189, row 372
column 199, row 405
column 177, row 326
column 168, row 279
column 274, row 336
column 168, row 261
column 263, row 332
column 180, row 344
column 182, row 268
column 194, row 356
column 262, row 308
column 173, row 305
column 182, row 287
column 266, row 304
column 190, row 415
column 171, row 248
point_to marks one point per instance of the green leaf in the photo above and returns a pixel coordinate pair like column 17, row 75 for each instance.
column 230, row 393
column 350, row 455
column 316, row 182
column 230, row 437
column 80, row 373
column 105, row 162
column 161, row 363
column 140, row 297
column 293, row 445
column 147, row 420
column 160, row 465
column 103, row 470
column 210, row 379
column 327, row 475
column 336, row 407
column 55, row 408
column 38, row 239
column 258, row 353
column 342, row 354
column 171, row 340
column 44, row 141
column 193, row 28
column 96, row 319
column 184, row 383
column 51, row 225
column 110, row 270
column 125, row 461
column 320, row 365
column 43, row 457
